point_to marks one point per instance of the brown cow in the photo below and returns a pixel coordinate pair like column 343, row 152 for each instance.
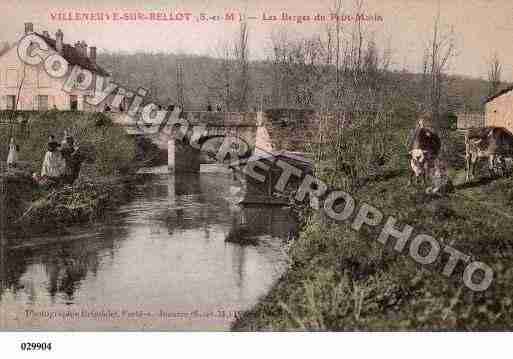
column 424, row 148
column 493, row 143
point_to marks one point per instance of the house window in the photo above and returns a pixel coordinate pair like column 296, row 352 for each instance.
column 42, row 102
column 73, row 102
column 28, row 76
column 10, row 102
column 123, row 106
column 12, row 78
column 43, row 79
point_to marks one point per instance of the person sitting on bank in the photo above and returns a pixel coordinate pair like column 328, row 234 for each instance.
column 12, row 157
column 53, row 164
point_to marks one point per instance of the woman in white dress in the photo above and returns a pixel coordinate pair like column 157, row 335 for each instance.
column 53, row 164
column 12, row 157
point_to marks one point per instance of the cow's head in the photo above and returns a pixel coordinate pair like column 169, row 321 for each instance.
column 418, row 155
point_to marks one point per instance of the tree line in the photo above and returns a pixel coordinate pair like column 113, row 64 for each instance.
column 342, row 68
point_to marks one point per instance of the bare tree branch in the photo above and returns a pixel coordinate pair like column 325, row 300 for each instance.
column 494, row 74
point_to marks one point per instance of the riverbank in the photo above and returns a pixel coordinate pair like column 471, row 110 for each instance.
column 52, row 212
column 340, row 279
column 105, row 181
column 166, row 245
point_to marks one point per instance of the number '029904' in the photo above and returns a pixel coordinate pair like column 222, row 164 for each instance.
column 26, row 346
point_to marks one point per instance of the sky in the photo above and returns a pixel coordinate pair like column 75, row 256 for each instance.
column 482, row 27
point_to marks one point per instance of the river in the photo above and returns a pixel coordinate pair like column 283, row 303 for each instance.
column 160, row 262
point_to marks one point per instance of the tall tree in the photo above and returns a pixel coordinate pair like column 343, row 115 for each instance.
column 439, row 52
column 494, row 74
column 241, row 50
column 180, row 86
column 20, row 87
column 337, row 10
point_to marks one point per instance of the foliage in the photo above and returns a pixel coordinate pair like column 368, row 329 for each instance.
column 362, row 151
column 115, row 151
column 340, row 279
column 53, row 210
column 450, row 120
column 298, row 84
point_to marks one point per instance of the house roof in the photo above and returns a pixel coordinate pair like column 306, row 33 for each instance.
column 498, row 94
column 73, row 57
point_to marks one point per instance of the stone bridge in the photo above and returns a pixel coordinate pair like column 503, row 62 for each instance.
column 204, row 132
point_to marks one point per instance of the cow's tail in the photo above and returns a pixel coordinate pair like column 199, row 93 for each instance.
column 467, row 137
column 467, row 143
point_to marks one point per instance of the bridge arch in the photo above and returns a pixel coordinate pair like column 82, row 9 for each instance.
column 210, row 145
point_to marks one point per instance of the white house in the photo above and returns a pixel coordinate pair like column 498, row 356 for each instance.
column 499, row 109
column 26, row 87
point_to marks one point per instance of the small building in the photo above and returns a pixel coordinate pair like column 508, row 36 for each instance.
column 30, row 88
column 499, row 109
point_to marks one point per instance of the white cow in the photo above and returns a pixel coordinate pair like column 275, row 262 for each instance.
column 419, row 164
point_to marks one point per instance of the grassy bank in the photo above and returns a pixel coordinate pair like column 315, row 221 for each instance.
column 340, row 279
column 103, row 183
column 114, row 150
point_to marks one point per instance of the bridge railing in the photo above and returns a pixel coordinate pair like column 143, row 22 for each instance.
column 210, row 118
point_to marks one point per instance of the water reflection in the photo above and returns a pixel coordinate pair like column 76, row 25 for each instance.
column 3, row 277
column 166, row 250
column 64, row 267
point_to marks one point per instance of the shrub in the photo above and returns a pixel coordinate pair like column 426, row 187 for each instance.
column 114, row 149
column 361, row 152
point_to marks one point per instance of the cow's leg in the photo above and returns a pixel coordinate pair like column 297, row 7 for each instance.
column 501, row 162
column 467, row 167
column 491, row 166
column 505, row 165
column 425, row 174
column 497, row 165
column 472, row 166
column 415, row 180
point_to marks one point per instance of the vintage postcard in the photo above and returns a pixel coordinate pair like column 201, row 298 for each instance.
column 341, row 165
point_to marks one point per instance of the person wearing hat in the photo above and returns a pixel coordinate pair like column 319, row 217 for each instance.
column 53, row 164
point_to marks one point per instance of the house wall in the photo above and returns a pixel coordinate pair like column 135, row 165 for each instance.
column 499, row 111
column 36, row 82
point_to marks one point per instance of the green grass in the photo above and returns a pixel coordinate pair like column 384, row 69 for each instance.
column 53, row 211
column 344, row 280
column 115, row 151
column 102, row 182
